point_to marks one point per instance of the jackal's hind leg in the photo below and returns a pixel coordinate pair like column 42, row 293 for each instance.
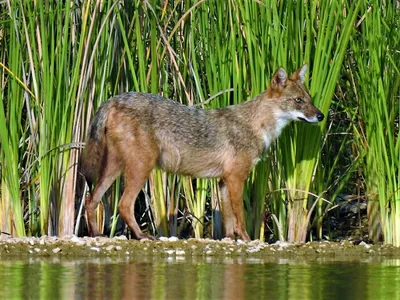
column 139, row 160
column 107, row 176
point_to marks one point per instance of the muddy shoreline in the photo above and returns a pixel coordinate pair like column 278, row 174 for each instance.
column 74, row 247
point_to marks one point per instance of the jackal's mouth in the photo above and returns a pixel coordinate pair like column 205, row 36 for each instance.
column 312, row 120
column 304, row 120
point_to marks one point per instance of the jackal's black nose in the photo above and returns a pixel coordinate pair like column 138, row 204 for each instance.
column 320, row 116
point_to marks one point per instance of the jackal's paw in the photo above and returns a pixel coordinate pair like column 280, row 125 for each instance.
column 96, row 233
column 142, row 236
column 243, row 236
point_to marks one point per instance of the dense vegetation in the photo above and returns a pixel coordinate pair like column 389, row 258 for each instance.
column 59, row 60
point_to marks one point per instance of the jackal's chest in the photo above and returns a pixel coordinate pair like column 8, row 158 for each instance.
column 266, row 138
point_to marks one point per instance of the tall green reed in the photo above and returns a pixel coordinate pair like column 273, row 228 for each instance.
column 48, row 45
column 377, row 69
column 12, row 134
column 60, row 62
column 328, row 28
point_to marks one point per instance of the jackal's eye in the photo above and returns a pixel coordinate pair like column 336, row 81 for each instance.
column 299, row 100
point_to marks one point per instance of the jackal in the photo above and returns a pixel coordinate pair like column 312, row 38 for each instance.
column 134, row 132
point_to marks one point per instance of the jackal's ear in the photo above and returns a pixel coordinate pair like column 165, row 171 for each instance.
column 300, row 74
column 279, row 79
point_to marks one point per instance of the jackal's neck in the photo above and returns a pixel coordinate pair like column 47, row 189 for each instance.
column 266, row 119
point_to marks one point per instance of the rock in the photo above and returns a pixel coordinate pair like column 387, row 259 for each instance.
column 180, row 252
column 75, row 239
column 227, row 240
column 240, row 242
column 367, row 246
column 282, row 244
column 101, row 240
column 109, row 248
column 253, row 250
column 255, row 243
column 170, row 251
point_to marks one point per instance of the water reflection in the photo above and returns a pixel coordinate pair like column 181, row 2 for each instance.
column 199, row 278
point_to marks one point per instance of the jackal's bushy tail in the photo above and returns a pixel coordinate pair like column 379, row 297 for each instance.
column 95, row 150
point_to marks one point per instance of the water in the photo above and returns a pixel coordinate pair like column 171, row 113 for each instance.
column 202, row 278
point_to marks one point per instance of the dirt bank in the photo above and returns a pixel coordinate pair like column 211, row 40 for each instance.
column 75, row 247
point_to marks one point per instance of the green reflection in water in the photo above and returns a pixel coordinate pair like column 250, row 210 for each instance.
column 212, row 278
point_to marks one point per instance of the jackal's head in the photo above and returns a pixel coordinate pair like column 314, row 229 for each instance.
column 294, row 101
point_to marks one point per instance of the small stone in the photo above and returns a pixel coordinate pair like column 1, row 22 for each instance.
column 95, row 249
column 109, row 248
column 180, row 252
column 173, row 239
column 367, row 246
column 170, row 252
column 118, row 248
column 227, row 240
column 101, row 240
column 56, row 250
column 121, row 238
column 37, row 249
column 75, row 239
column 283, row 244
column 254, row 249
column 163, row 239
column 255, row 243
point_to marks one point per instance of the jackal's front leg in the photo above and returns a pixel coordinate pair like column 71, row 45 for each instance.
column 232, row 209
column 227, row 213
